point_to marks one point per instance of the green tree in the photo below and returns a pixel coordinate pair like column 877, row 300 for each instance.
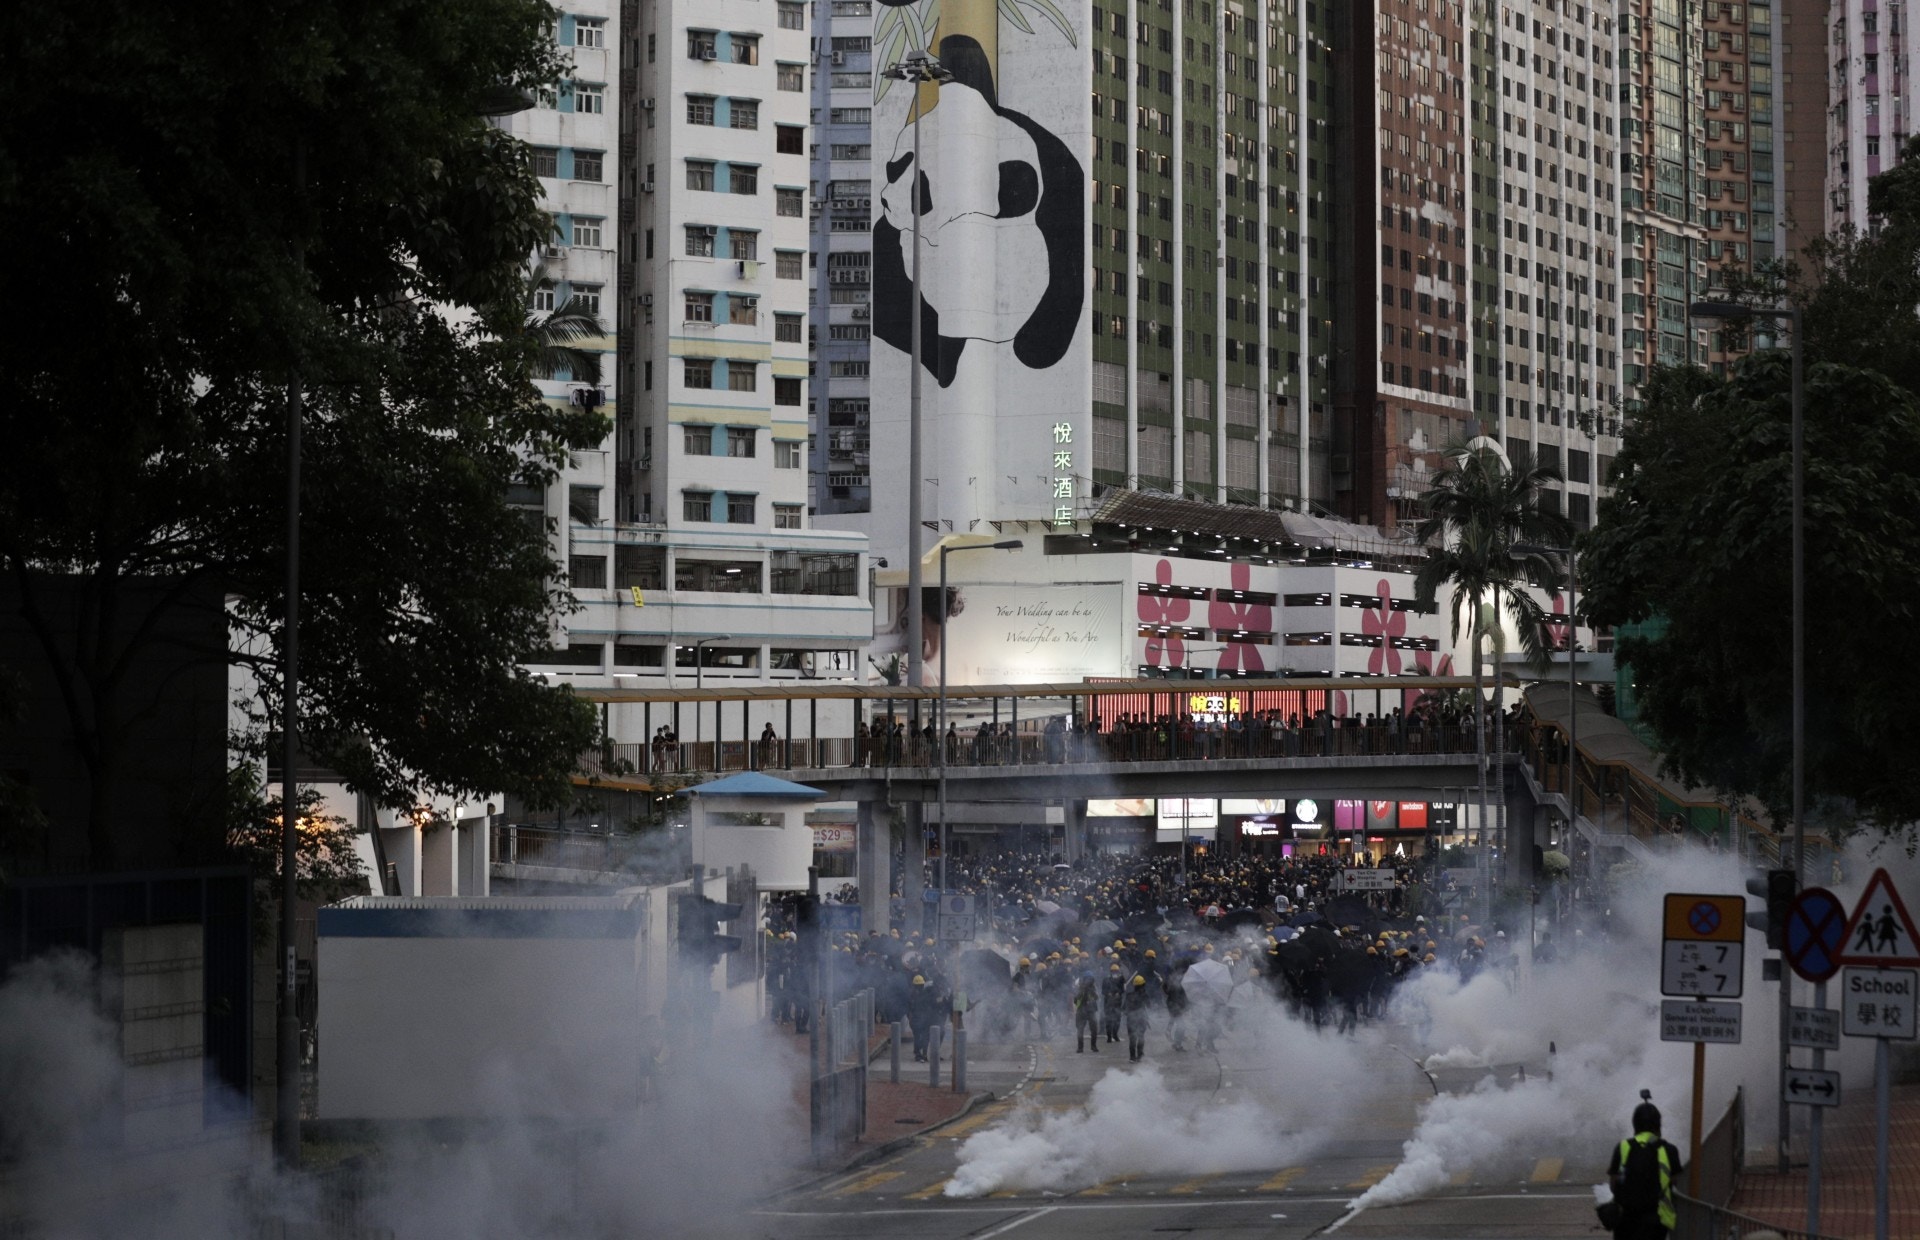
column 561, row 335
column 232, row 202
column 1698, row 532
column 1481, row 514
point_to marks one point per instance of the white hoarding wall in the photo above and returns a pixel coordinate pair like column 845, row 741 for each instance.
column 1003, row 203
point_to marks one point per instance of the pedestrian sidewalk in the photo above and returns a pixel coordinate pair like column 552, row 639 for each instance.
column 1846, row 1178
column 898, row 1112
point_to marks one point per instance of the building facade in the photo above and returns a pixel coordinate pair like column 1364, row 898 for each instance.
column 675, row 163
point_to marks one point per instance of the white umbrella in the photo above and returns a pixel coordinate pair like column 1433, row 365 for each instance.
column 1209, row 981
column 1046, row 906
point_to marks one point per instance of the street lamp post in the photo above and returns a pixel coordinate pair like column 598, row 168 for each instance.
column 940, row 720
column 699, row 681
column 919, row 69
column 1725, row 312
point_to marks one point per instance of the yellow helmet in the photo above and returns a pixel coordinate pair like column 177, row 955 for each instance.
column 1138, row 980
column 1150, row 954
column 1113, row 968
column 1024, row 961
column 1373, row 951
column 918, row 980
column 1427, row 959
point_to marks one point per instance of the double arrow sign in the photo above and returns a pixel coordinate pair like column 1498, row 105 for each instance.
column 1813, row 1087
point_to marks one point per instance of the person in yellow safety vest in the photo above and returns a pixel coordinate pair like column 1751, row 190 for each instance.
column 1641, row 1174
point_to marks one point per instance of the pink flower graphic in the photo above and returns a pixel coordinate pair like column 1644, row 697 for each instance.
column 1423, row 664
column 1162, row 609
column 1229, row 617
column 1386, row 624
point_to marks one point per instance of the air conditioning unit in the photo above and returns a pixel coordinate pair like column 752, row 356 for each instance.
column 749, row 268
column 646, row 299
column 647, row 103
column 707, row 53
column 586, row 397
column 862, row 312
column 839, row 58
column 553, row 251
column 646, row 187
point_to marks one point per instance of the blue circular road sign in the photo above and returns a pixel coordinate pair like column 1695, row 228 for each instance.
column 1816, row 929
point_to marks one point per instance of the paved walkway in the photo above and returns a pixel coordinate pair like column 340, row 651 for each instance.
column 1846, row 1180
column 913, row 1106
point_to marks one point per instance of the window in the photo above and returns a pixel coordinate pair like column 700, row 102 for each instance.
column 743, row 113
column 746, row 49
column 790, row 139
column 852, row 150
column 701, row 45
column 743, row 243
column 699, row 109
column 786, row 265
column 546, row 161
column 740, row 511
column 797, row 572
column 700, row 240
column 742, row 376
column 743, row 312
column 645, row 567
column 586, row 297
column 786, row 327
column 743, row 179
column 586, row 231
column 589, row 99
column 589, row 165
column 740, row 440
column 697, row 440
column 786, row 391
column 543, row 297
column 700, row 174
column 587, row 572
column 787, row 516
column 790, row 77
column 852, row 116
column 696, row 372
column 699, row 307
column 849, row 331
column 787, row 202
column 792, row 16
column 847, row 370
column 786, row 454
column 742, row 576
column 696, row 506
column 589, row 32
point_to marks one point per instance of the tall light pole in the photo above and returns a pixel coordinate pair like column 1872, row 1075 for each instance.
column 1723, row 312
column 940, row 719
column 919, row 69
column 699, row 681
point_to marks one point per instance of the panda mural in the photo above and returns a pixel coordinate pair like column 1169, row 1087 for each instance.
column 1022, row 204
column 1004, row 225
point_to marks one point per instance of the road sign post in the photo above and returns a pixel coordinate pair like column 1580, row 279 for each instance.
column 1877, row 1000
column 1702, row 958
column 1812, row 1087
column 1815, row 931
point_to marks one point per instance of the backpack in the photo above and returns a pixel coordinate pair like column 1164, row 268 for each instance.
column 1639, row 1195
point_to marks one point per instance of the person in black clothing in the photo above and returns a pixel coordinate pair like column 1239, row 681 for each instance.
column 1641, row 1173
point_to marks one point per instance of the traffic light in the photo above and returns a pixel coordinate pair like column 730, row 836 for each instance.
column 1778, row 888
column 701, row 943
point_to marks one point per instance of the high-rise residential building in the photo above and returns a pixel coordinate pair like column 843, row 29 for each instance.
column 1548, row 211
column 1663, row 132
column 1870, row 54
column 841, row 211
column 679, row 142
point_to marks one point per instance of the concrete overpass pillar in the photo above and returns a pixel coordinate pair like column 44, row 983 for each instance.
column 913, row 865
column 873, row 858
column 1074, row 830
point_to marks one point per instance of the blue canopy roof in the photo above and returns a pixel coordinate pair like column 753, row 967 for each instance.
column 755, row 784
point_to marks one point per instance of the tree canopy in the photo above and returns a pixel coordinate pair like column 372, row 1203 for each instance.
column 230, row 201
column 1697, row 533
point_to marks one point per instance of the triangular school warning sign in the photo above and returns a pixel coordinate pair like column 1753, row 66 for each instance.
column 1881, row 931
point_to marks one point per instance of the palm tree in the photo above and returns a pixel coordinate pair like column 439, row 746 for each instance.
column 1486, row 528
column 557, row 334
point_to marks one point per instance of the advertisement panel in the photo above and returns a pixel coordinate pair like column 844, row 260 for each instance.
column 1200, row 817
column 1029, row 634
column 1347, row 815
column 1413, row 815
column 1380, row 815
column 1002, row 189
column 1243, row 805
column 1112, row 807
